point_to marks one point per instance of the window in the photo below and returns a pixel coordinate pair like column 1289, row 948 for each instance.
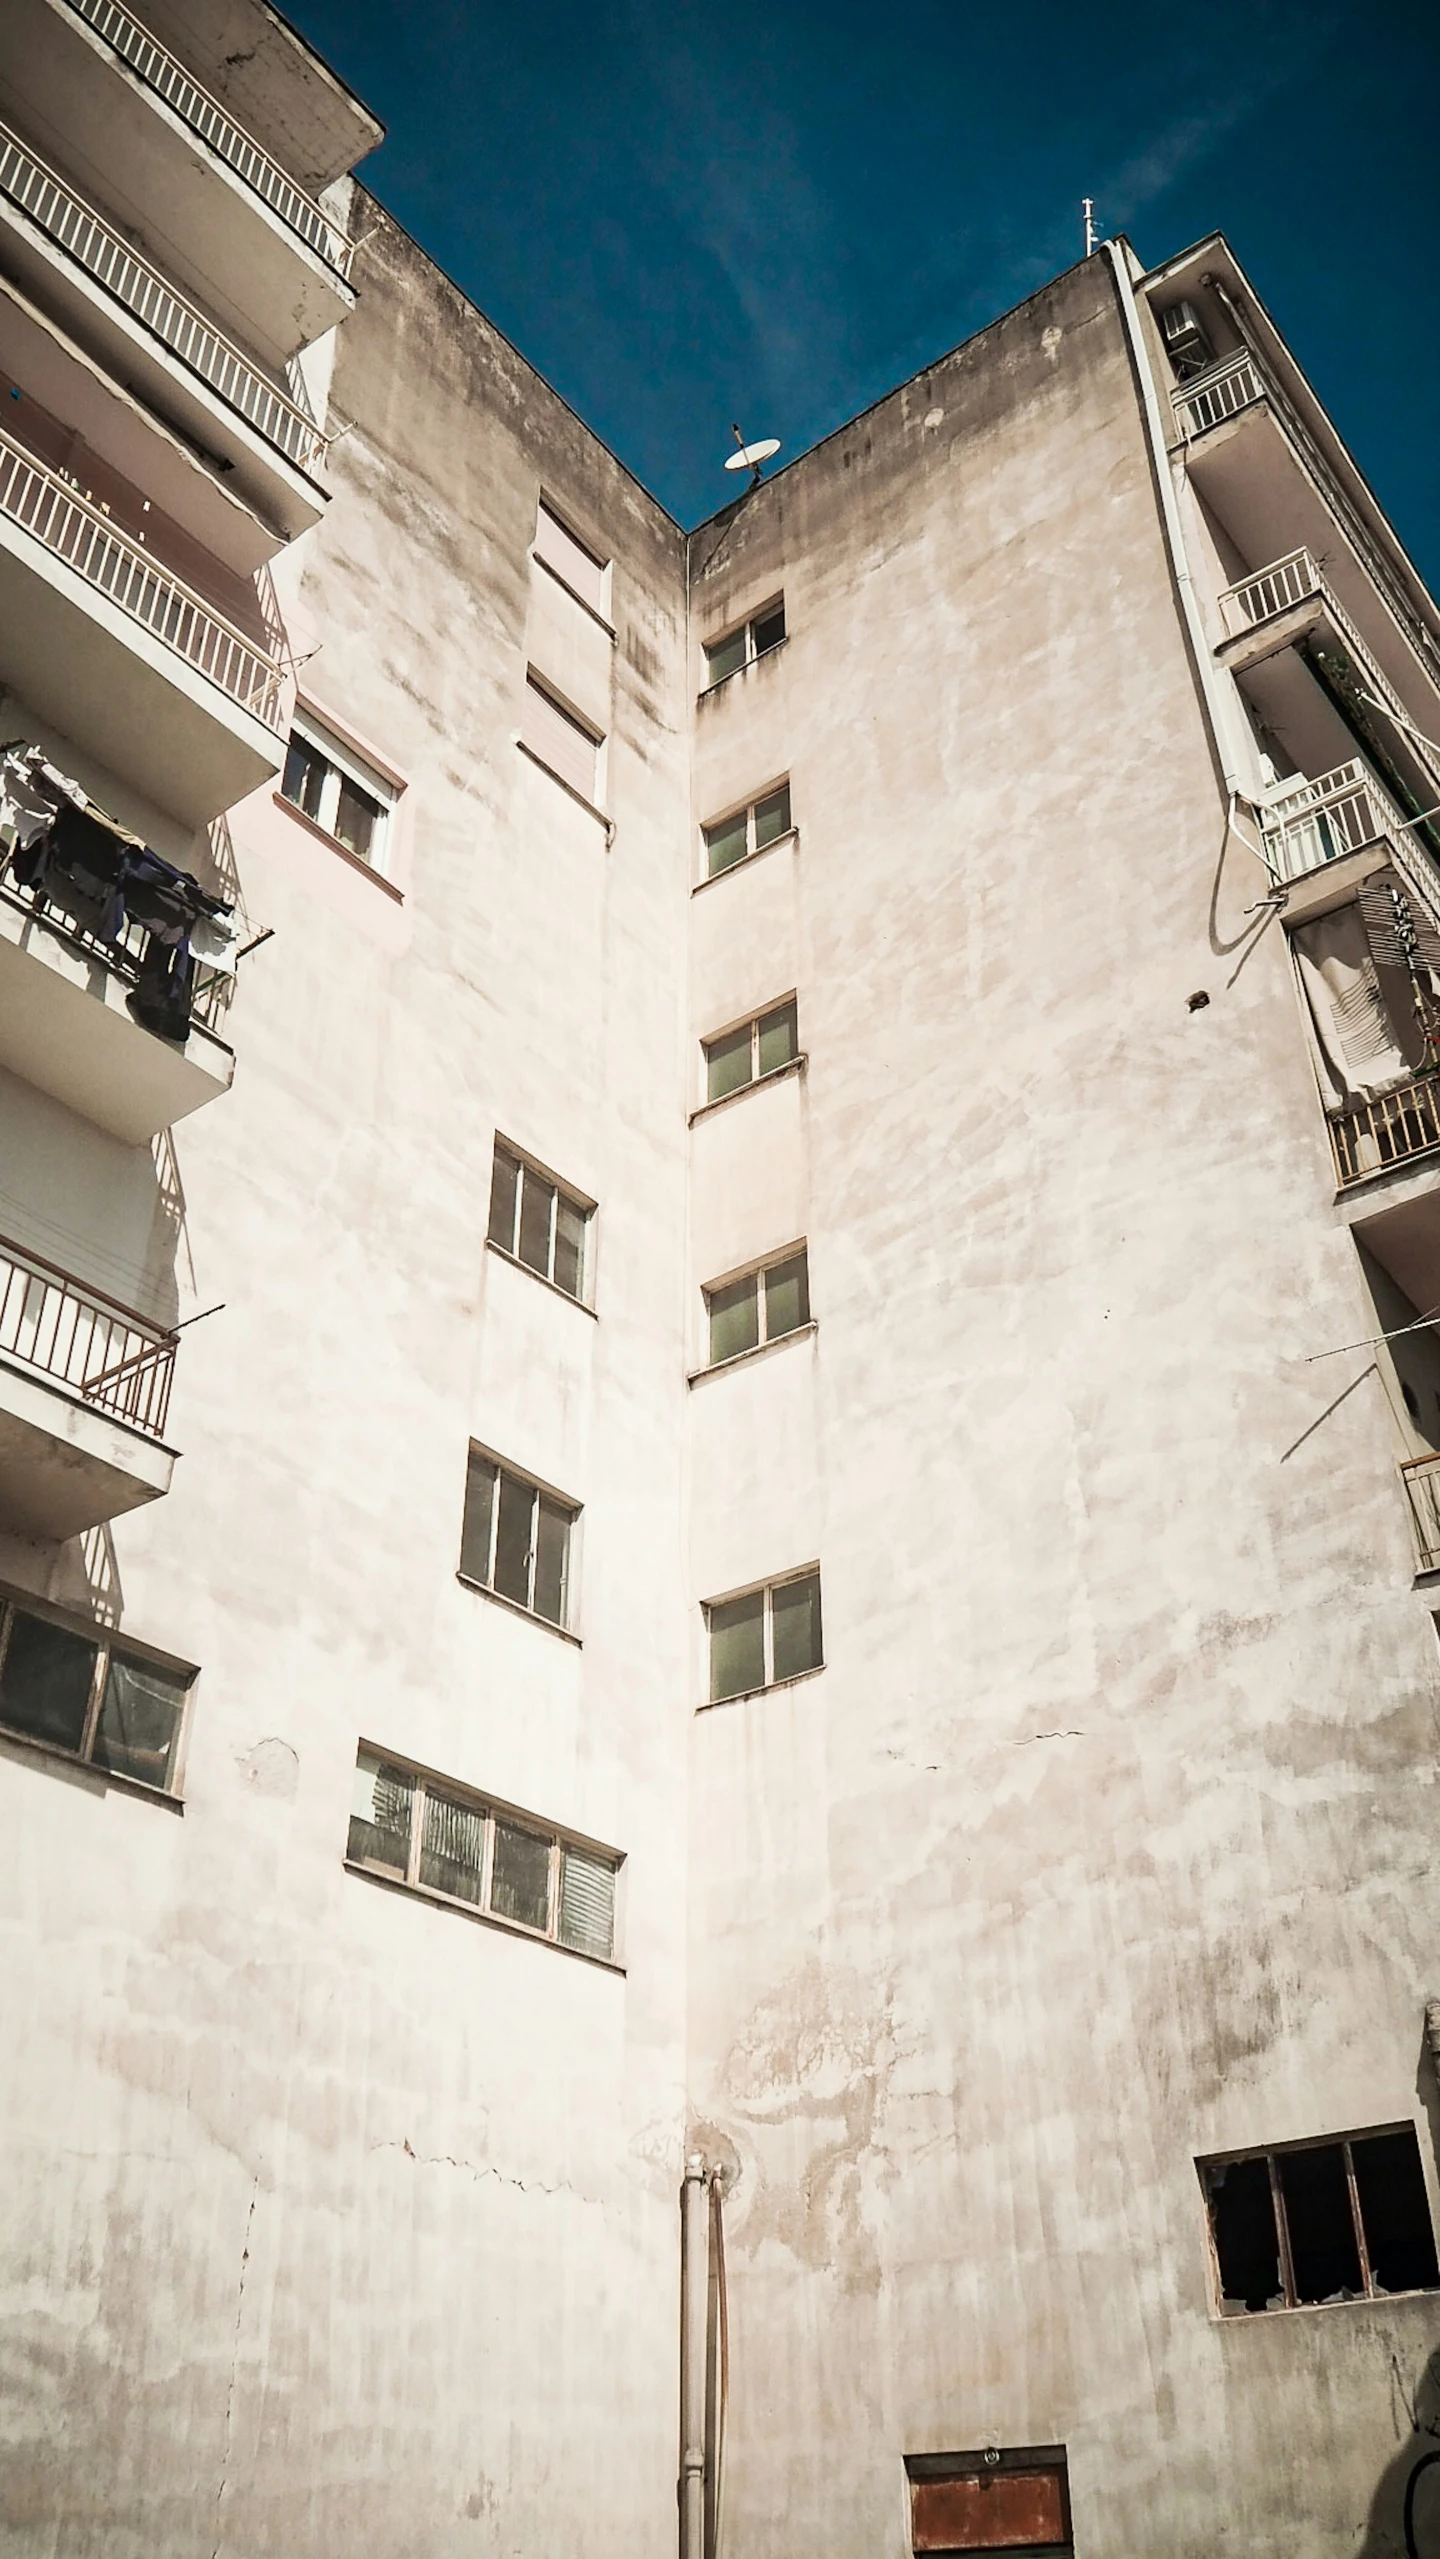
column 762, row 1306
column 84, row 1693
column 440, row 1839
column 580, row 568
column 754, row 1049
column 538, row 1223
column 1320, row 2221
column 733, row 839
column 329, row 784
column 764, row 1636
column 560, row 740
column 516, row 1538
column 765, row 630
column 1018, row 2502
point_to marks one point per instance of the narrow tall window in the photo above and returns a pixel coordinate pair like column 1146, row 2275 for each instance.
column 733, row 839
column 444, row 1841
column 753, row 1050
column 750, row 640
column 560, row 740
column 1321, row 2221
column 580, row 568
column 81, row 1692
column 535, row 1220
column 331, row 785
column 760, row 1306
column 764, row 1636
column 515, row 1538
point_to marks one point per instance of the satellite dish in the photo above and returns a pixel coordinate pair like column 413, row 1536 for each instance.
column 750, row 456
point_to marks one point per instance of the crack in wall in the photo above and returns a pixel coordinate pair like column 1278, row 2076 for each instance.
column 235, row 2359
column 477, row 2168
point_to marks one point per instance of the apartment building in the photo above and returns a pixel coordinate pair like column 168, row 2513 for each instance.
column 718, row 1436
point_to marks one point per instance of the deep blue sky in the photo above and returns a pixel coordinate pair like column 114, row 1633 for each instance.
column 776, row 210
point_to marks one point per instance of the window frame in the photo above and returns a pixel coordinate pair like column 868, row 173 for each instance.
column 540, row 1492
column 751, row 1022
column 110, row 1643
column 586, row 1207
column 766, row 1591
column 748, row 810
column 759, row 1272
column 493, row 1809
column 1273, row 2152
column 344, row 762
column 761, row 613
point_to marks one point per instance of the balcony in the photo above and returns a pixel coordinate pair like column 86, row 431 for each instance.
column 84, row 1391
column 150, row 338
column 106, row 645
column 1217, row 395
column 98, row 90
column 1344, row 826
column 1422, row 1484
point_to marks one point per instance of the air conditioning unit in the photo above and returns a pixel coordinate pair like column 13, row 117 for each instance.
column 1186, row 343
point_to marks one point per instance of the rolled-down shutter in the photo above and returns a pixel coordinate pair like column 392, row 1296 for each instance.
column 992, row 2510
column 560, row 741
column 578, row 567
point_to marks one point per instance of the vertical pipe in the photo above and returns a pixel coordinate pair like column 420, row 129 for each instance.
column 694, row 2288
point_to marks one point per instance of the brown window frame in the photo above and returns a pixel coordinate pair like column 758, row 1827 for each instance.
column 109, row 1646
column 1271, row 2154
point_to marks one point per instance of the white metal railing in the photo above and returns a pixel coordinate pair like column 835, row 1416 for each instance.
column 194, row 105
column 1289, row 582
column 1422, row 1483
column 76, row 532
column 1390, row 1130
column 1221, row 393
column 84, row 1340
column 67, row 220
column 1321, row 821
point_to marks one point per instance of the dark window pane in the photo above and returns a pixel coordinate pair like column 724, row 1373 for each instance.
column 795, row 1631
column 725, row 657
column 727, row 1064
column 552, row 1548
column 535, row 1199
column 479, row 1515
column 570, row 1224
column 520, row 1885
column 769, row 630
column 380, row 1814
column 356, row 818
column 787, row 1297
column 737, row 1645
column 587, row 1902
column 139, row 1725
column 734, row 1319
column 772, row 816
column 45, row 1684
column 452, row 1847
column 1242, row 2217
column 779, row 1038
column 305, row 772
column 726, row 844
column 1395, row 2212
column 513, row 1538
column 1322, row 2231
column 504, row 1186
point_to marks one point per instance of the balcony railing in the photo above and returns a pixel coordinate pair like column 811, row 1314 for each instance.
column 1391, row 1130
column 85, row 1341
column 161, row 72
column 1295, row 580
column 74, row 531
column 214, row 988
column 1422, row 1483
column 1317, row 822
column 1221, row 393
column 67, row 220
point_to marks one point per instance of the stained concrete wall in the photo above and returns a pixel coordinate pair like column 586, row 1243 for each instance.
column 1103, row 1840
column 333, row 2217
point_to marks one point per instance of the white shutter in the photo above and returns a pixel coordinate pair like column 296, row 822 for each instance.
column 559, row 741
column 587, row 1903
column 578, row 567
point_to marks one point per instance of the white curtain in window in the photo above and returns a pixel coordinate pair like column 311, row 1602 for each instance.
column 1364, row 1016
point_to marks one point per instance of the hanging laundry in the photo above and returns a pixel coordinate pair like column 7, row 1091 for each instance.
column 1366, row 1033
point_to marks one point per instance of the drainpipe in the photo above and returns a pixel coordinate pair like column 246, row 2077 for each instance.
column 694, row 2289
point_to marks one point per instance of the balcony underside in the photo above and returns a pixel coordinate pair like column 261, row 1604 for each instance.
column 64, row 1027
column 64, row 1466
column 203, row 224
column 93, row 673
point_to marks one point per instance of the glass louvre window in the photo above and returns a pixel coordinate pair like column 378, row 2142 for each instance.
column 336, row 791
column 765, row 630
column 83, row 1694
column 762, row 1306
column 764, row 1636
column 515, row 1539
column 749, row 830
column 538, row 1223
column 757, row 1048
column 431, row 1834
column 1319, row 2222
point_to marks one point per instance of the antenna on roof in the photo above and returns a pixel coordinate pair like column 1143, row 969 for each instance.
column 751, row 457
column 1087, row 208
